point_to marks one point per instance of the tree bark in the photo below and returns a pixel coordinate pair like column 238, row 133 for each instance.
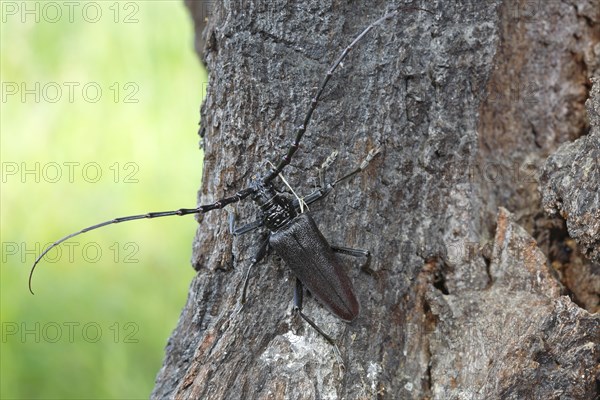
column 473, row 292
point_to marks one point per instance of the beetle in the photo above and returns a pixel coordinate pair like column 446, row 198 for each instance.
column 292, row 232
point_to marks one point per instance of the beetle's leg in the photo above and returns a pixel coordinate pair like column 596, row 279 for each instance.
column 248, row 227
column 236, row 231
column 262, row 252
column 356, row 253
column 351, row 252
column 298, row 296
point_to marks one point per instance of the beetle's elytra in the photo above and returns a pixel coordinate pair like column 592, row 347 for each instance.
column 304, row 249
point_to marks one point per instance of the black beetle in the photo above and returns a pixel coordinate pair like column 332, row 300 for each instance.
column 293, row 234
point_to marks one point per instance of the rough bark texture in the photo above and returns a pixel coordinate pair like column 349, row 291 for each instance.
column 571, row 183
column 461, row 301
column 570, row 187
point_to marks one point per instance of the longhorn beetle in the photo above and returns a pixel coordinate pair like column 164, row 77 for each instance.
column 292, row 233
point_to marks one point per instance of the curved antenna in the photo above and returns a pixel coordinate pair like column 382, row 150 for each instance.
column 315, row 100
column 242, row 194
column 183, row 211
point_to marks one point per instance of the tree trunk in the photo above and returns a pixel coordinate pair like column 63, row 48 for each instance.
column 460, row 301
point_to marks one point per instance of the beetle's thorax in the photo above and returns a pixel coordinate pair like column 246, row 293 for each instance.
column 277, row 209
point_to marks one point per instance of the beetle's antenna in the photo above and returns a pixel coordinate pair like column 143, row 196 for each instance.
column 183, row 211
column 285, row 160
column 242, row 194
column 361, row 167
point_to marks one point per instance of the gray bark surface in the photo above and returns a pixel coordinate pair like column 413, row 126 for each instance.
column 571, row 182
column 473, row 292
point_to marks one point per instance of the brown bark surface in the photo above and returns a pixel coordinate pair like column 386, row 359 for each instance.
column 473, row 292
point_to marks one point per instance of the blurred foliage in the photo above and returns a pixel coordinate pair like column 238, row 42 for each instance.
column 105, row 305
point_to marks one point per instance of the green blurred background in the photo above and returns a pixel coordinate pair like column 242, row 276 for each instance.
column 99, row 322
